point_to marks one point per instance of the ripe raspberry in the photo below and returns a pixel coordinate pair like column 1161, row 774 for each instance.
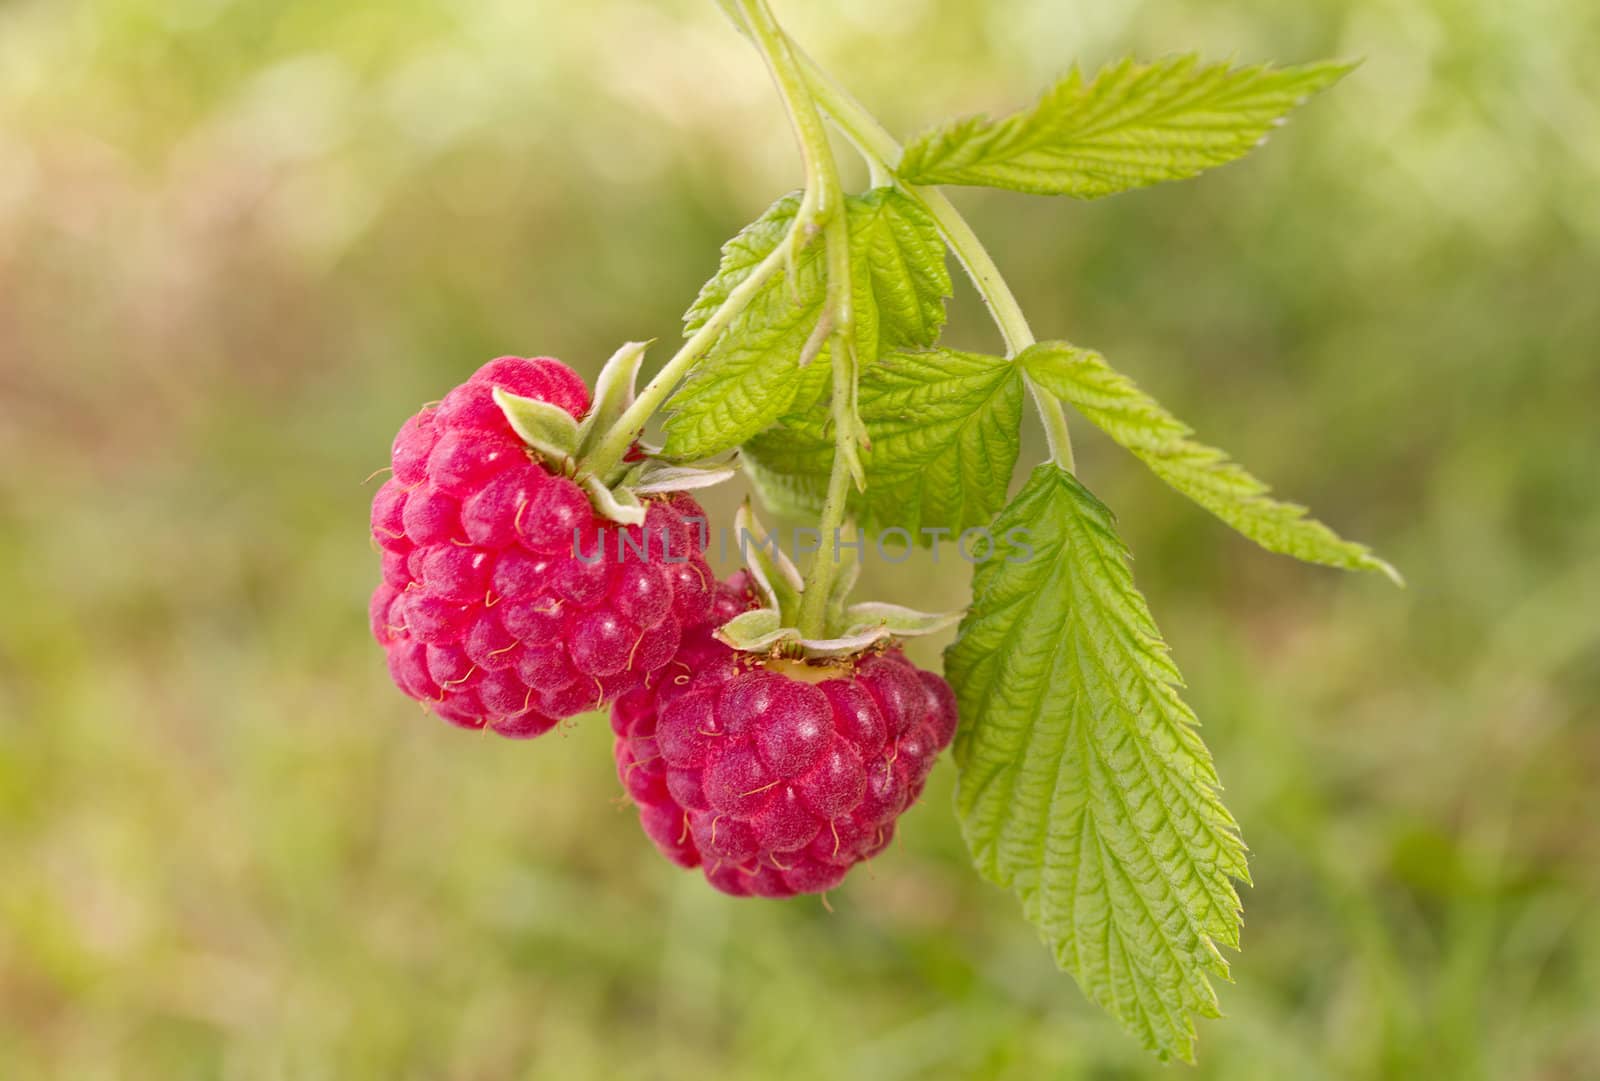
column 774, row 785
column 506, row 601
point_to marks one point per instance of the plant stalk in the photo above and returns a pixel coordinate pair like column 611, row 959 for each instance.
column 882, row 152
column 608, row 453
column 823, row 202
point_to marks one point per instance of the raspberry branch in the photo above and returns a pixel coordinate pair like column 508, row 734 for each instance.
column 770, row 731
column 605, row 460
column 822, row 204
column 881, row 150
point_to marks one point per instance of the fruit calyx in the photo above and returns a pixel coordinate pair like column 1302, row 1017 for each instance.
column 566, row 444
column 848, row 629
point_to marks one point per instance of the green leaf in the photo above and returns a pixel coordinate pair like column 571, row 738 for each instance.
column 1083, row 785
column 898, row 274
column 1133, row 125
column 1112, row 402
column 899, row 284
column 752, row 375
column 943, row 427
column 740, row 256
column 749, row 376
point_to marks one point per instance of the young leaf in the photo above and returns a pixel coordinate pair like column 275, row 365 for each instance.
column 740, row 256
column 749, row 376
column 1206, row 475
column 899, row 282
column 1133, row 125
column 753, row 374
column 898, row 272
column 943, row 427
column 1083, row 784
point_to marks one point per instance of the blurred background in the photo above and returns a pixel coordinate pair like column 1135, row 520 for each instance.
column 240, row 240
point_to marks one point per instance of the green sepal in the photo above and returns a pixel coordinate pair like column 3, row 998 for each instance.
column 844, row 583
column 613, row 394
column 546, row 428
column 750, row 631
column 762, row 631
column 620, row 504
column 848, row 629
column 896, row 620
column 655, row 478
column 777, row 580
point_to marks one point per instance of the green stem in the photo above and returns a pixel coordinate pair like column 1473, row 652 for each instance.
column 823, row 202
column 608, row 453
column 813, row 617
column 882, row 151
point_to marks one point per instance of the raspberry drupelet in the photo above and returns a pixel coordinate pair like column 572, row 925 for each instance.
column 776, row 785
column 506, row 602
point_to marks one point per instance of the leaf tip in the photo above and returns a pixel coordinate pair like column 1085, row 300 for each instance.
column 1388, row 570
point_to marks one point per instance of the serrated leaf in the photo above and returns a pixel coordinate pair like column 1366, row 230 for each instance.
column 1083, row 785
column 753, row 374
column 1131, row 126
column 943, row 426
column 898, row 274
column 899, row 282
column 749, row 376
column 1113, row 403
column 741, row 255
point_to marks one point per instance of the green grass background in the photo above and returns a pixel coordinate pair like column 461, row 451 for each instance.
column 241, row 239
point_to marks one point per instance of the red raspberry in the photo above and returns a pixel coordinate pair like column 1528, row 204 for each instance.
column 772, row 784
column 506, row 601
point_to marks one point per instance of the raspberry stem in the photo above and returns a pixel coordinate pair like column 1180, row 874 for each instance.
column 822, row 203
column 881, row 151
column 607, row 455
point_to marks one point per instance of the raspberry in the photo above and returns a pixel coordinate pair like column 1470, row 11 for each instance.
column 489, row 611
column 775, row 785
